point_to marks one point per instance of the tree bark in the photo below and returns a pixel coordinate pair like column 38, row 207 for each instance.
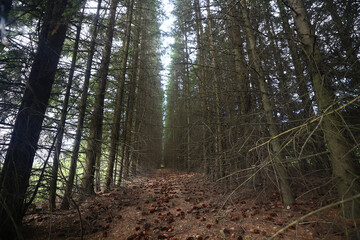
column 202, row 84
column 82, row 111
column 344, row 163
column 21, row 151
column 242, row 78
column 218, row 133
column 93, row 150
column 298, row 65
column 129, row 119
column 115, row 132
column 61, row 124
column 278, row 158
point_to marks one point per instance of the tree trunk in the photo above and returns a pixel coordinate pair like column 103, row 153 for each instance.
column 218, row 133
column 343, row 160
column 242, row 78
column 20, row 155
column 82, row 111
column 61, row 124
column 129, row 120
column 278, row 158
column 115, row 131
column 93, row 150
column 298, row 65
column 202, row 85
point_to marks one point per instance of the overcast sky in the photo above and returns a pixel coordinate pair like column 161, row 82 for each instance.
column 166, row 27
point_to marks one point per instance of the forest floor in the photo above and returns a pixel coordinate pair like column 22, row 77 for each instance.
column 169, row 205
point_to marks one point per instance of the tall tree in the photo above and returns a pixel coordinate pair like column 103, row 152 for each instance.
column 61, row 124
column 82, row 111
column 344, row 164
column 218, row 171
column 278, row 158
column 15, row 174
column 202, row 82
column 115, row 131
column 242, row 77
column 93, row 150
column 130, row 105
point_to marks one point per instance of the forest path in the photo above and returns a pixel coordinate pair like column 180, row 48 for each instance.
column 170, row 205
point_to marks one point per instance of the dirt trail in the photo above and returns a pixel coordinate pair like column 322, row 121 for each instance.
column 176, row 206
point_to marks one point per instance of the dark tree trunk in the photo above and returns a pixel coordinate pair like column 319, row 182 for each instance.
column 115, row 132
column 129, row 122
column 93, row 150
column 61, row 124
column 5, row 8
column 219, row 170
column 20, row 155
column 82, row 110
column 242, row 77
column 202, row 84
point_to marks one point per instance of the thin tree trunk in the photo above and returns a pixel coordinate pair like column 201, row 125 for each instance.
column 286, row 193
column 129, row 121
column 242, row 77
column 115, row 132
column 61, row 124
column 202, row 85
column 95, row 139
column 82, row 111
column 218, row 133
column 187, row 101
column 19, row 158
column 343, row 160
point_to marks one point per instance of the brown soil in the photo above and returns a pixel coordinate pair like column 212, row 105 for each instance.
column 185, row 206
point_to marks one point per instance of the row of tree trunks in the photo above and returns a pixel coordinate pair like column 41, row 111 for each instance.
column 115, row 132
column 129, row 118
column 82, row 111
column 94, row 146
column 61, row 124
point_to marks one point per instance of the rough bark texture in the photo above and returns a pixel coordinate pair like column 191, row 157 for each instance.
column 344, row 165
column 20, row 155
column 93, row 150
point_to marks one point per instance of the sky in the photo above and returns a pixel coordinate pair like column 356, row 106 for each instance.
column 166, row 27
